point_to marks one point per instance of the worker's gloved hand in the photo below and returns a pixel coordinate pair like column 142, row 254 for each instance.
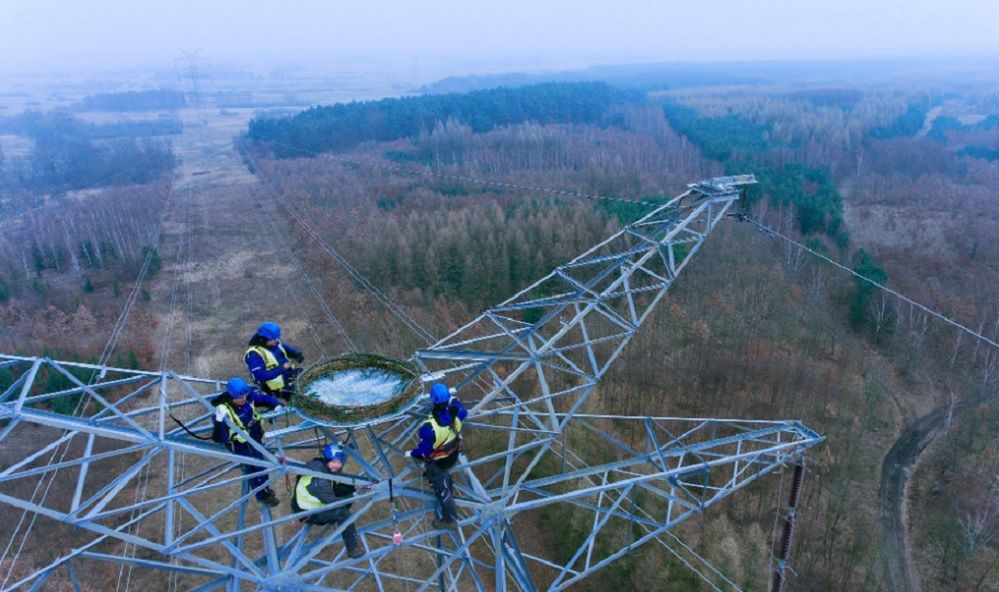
column 300, row 358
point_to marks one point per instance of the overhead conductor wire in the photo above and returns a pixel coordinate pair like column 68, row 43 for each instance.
column 878, row 285
column 550, row 191
column 164, row 357
column 394, row 308
column 553, row 191
column 105, row 357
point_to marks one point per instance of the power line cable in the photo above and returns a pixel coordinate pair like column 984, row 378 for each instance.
column 394, row 308
column 164, row 356
column 766, row 229
column 407, row 320
column 173, row 581
column 80, row 405
column 878, row 285
column 293, row 294
column 334, row 321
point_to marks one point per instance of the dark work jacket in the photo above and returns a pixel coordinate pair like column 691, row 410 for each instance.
column 244, row 412
column 443, row 414
column 327, row 491
column 258, row 368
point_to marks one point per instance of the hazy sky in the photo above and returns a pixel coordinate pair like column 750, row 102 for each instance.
column 101, row 34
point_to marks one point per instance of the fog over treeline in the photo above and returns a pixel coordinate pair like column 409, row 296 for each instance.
column 481, row 36
column 373, row 175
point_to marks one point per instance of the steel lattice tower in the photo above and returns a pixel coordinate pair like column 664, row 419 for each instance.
column 526, row 367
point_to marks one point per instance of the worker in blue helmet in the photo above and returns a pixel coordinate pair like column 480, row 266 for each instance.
column 269, row 361
column 439, row 446
column 313, row 492
column 237, row 416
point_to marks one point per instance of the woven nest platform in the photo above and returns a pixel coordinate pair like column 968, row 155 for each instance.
column 358, row 410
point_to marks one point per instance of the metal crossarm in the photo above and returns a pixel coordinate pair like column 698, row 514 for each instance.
column 574, row 322
column 526, row 367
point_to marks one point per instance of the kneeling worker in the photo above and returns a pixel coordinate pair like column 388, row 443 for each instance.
column 239, row 404
column 267, row 359
column 311, row 493
column 440, row 443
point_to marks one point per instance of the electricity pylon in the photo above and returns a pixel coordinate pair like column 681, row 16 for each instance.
column 526, row 368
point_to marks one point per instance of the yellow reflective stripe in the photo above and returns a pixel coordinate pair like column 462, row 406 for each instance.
column 270, row 363
column 303, row 497
column 238, row 423
column 444, row 435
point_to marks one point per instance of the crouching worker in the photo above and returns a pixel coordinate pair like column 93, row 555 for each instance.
column 311, row 493
column 440, row 444
column 268, row 360
column 238, row 406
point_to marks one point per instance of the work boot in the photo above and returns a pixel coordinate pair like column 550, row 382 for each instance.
column 439, row 523
column 355, row 551
column 271, row 499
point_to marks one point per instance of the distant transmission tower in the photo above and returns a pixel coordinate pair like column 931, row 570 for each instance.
column 187, row 68
column 527, row 368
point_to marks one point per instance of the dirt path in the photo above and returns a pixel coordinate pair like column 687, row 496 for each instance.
column 219, row 256
column 897, row 467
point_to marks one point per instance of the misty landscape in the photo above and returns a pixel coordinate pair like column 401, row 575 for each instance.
column 721, row 298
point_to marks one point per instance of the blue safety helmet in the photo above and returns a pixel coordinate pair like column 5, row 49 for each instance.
column 237, row 387
column 440, row 394
column 333, row 452
column 269, row 330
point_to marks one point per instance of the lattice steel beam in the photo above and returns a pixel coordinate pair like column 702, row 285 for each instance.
column 532, row 361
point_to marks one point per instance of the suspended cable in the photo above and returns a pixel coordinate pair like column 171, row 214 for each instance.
column 361, row 279
column 108, row 350
column 881, row 286
column 173, row 580
column 164, row 357
column 305, row 315
column 334, row 321
column 394, row 308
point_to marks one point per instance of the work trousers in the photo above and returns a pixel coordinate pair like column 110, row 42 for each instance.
column 257, row 479
column 333, row 516
column 439, row 475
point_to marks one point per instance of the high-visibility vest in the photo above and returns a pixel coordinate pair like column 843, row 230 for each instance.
column 445, row 437
column 233, row 435
column 270, row 363
column 303, row 497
